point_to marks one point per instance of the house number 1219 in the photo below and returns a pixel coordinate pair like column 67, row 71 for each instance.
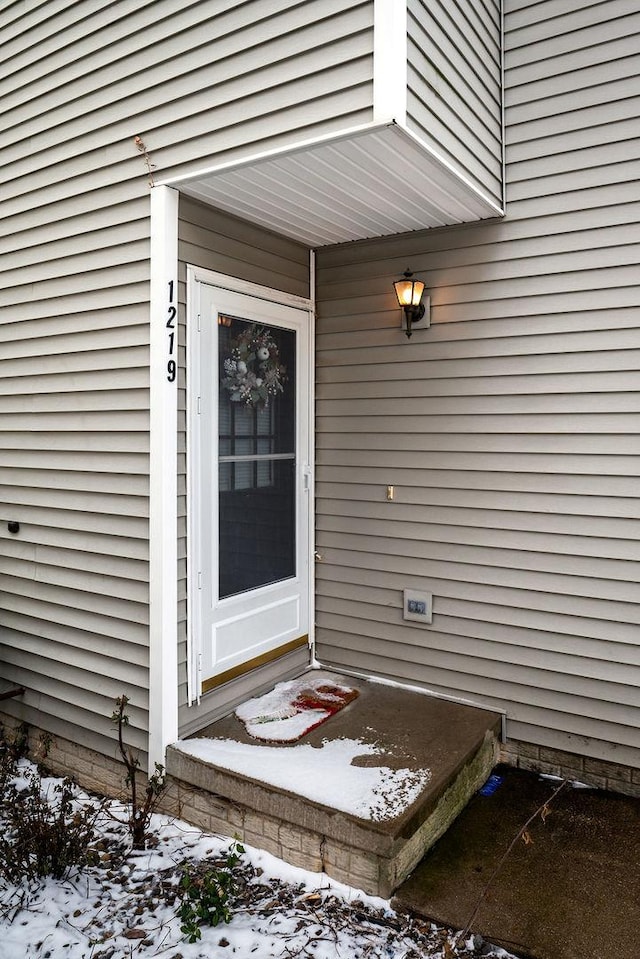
column 171, row 334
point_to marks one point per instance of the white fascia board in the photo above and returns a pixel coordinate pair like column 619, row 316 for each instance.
column 390, row 61
column 163, row 470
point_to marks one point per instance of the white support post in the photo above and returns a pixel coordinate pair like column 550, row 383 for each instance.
column 163, row 469
column 390, row 61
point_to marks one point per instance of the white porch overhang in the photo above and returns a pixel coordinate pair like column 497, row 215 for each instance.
column 370, row 181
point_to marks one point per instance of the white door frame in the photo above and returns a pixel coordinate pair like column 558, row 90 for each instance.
column 196, row 276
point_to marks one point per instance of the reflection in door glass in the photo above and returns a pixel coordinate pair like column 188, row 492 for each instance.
column 256, row 454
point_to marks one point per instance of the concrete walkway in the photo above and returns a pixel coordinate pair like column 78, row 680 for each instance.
column 572, row 892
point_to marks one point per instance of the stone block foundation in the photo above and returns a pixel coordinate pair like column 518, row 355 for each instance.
column 556, row 762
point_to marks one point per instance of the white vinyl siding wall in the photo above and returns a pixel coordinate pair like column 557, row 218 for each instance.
column 215, row 241
column 510, row 429
column 454, row 85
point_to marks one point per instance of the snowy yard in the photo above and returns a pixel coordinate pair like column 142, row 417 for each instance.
column 126, row 905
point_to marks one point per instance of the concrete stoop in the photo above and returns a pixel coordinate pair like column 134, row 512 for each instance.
column 457, row 743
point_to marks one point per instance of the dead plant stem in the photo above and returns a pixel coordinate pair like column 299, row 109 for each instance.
column 540, row 811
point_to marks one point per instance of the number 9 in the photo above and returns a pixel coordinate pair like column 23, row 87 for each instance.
column 171, row 370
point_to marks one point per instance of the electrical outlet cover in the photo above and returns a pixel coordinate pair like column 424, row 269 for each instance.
column 418, row 606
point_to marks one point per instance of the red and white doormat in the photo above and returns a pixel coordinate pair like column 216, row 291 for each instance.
column 293, row 709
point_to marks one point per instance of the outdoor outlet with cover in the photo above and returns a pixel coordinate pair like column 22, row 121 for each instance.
column 418, row 606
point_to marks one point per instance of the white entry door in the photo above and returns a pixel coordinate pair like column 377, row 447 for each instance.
column 250, row 480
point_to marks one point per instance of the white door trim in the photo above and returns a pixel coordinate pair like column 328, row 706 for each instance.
column 195, row 277
column 163, row 475
column 311, row 380
column 235, row 285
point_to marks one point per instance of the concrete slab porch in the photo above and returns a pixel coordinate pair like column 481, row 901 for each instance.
column 454, row 745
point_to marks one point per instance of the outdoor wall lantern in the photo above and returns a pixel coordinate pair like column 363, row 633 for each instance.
column 409, row 293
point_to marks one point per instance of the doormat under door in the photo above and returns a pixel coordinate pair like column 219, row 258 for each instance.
column 292, row 709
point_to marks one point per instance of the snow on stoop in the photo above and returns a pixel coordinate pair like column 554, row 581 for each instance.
column 362, row 798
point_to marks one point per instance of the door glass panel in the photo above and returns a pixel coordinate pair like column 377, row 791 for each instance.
column 256, row 455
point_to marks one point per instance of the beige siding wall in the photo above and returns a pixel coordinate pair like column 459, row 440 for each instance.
column 74, row 407
column 514, row 460
column 510, row 429
column 454, row 85
column 74, row 468
column 78, row 82
column 198, row 80
column 215, row 241
column 251, row 77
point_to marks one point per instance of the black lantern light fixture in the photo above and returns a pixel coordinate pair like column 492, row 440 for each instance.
column 409, row 293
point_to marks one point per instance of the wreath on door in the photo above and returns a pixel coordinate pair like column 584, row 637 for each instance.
column 253, row 371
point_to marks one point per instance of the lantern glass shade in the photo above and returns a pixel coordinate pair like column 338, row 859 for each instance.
column 409, row 292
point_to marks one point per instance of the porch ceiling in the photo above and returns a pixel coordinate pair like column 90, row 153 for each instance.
column 373, row 181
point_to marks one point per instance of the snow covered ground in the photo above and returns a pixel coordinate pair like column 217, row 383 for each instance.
column 126, row 905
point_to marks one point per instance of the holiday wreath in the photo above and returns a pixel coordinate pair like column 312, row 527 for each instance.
column 253, row 372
